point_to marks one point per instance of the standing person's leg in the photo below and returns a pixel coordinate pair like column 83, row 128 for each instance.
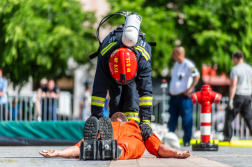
column 186, row 109
column 246, row 112
column 230, row 116
column 174, row 114
column 130, row 102
column 115, row 93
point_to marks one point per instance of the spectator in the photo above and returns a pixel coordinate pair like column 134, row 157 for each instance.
column 184, row 78
column 239, row 94
column 3, row 96
column 49, row 96
column 43, row 83
column 85, row 104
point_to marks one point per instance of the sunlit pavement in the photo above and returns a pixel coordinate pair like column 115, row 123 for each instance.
column 232, row 156
column 29, row 156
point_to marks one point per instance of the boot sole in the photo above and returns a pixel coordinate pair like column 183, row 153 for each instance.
column 105, row 129
column 91, row 129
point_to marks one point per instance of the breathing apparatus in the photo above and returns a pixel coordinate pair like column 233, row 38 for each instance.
column 130, row 31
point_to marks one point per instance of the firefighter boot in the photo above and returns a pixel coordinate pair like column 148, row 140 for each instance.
column 107, row 147
column 88, row 150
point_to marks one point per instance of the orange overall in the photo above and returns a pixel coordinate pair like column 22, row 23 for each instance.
column 129, row 138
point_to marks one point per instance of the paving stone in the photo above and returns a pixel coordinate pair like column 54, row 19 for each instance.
column 233, row 156
column 29, row 157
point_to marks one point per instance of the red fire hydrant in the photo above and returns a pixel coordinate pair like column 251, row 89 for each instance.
column 205, row 98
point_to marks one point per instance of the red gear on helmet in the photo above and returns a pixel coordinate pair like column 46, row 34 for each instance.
column 123, row 65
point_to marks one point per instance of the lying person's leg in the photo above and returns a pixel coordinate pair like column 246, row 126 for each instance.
column 155, row 147
column 70, row 152
column 132, row 147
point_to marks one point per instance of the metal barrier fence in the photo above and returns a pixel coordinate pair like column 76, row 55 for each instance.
column 240, row 130
column 23, row 108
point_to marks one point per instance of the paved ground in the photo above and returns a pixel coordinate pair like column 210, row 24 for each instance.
column 233, row 156
column 226, row 156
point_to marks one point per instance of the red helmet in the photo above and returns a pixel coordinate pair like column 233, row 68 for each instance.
column 123, row 65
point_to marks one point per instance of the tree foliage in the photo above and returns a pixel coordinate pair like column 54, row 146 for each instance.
column 214, row 29
column 38, row 37
column 210, row 30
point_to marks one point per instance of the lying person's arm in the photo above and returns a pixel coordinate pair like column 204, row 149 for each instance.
column 70, row 152
column 155, row 147
column 167, row 152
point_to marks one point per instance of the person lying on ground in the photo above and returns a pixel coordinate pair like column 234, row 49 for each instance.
column 127, row 134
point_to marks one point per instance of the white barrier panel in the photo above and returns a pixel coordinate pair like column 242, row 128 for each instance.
column 65, row 104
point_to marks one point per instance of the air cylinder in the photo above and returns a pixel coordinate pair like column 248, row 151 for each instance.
column 131, row 29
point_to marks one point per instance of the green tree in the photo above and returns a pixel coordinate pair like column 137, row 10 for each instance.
column 210, row 30
column 213, row 29
column 38, row 37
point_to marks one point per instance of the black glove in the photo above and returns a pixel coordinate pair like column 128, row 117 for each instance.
column 146, row 129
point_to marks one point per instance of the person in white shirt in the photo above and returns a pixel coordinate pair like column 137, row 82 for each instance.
column 185, row 77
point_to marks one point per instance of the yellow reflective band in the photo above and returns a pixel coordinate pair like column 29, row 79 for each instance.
column 146, row 121
column 144, row 51
column 98, row 98
column 131, row 113
column 145, row 104
column 97, row 104
column 107, row 48
column 146, row 98
column 136, row 119
column 141, row 52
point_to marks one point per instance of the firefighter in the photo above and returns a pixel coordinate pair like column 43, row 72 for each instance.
column 124, row 68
